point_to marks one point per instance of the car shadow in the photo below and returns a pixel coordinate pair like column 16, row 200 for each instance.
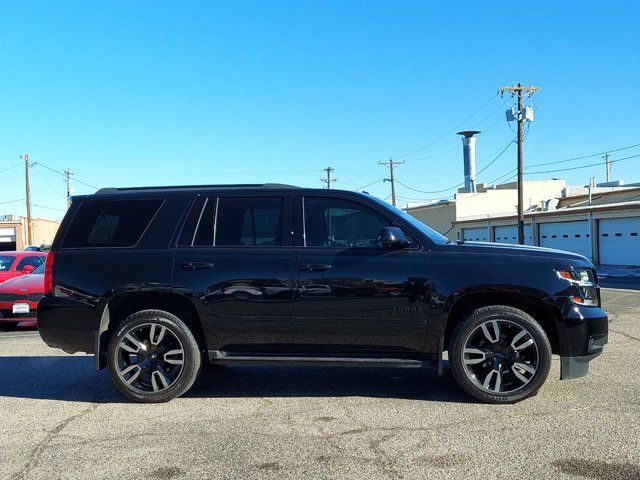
column 73, row 379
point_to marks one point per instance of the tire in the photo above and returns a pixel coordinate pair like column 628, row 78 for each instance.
column 149, row 372
column 499, row 365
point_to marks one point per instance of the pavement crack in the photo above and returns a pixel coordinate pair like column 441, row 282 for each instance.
column 625, row 335
column 36, row 452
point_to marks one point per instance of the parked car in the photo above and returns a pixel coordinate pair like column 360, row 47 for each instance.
column 19, row 299
column 157, row 281
column 14, row 264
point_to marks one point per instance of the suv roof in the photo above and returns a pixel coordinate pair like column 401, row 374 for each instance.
column 266, row 186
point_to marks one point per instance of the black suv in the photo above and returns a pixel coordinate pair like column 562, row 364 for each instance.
column 156, row 282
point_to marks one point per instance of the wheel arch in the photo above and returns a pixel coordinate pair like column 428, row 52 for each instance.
column 528, row 303
column 121, row 306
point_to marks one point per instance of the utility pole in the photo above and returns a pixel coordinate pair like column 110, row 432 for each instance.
column 518, row 91
column 67, row 179
column 607, row 162
column 328, row 180
column 391, row 164
column 28, row 195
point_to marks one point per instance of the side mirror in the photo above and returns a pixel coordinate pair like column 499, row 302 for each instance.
column 27, row 269
column 393, row 237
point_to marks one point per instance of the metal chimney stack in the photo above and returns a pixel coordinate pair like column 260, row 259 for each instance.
column 469, row 152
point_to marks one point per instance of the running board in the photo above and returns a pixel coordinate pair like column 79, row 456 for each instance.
column 223, row 358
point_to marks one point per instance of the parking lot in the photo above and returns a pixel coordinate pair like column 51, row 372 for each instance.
column 61, row 419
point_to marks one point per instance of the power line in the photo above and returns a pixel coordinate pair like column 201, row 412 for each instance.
column 369, row 184
column 455, row 140
column 582, row 166
column 12, row 166
column 47, row 182
column 429, row 191
column 599, row 154
column 65, row 175
column 511, row 142
column 421, row 149
column 13, row 201
column 48, row 208
column 460, row 184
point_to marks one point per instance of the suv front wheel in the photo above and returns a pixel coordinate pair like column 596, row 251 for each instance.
column 153, row 357
column 499, row 354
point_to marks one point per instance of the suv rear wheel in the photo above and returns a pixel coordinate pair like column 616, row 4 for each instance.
column 153, row 357
column 499, row 354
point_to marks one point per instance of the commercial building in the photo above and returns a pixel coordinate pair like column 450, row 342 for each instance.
column 601, row 222
column 13, row 232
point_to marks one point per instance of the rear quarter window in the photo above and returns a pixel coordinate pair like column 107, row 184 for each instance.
column 110, row 223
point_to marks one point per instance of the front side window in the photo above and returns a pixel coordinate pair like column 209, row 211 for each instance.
column 331, row 222
column 34, row 261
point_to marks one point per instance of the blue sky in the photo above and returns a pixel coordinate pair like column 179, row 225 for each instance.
column 144, row 93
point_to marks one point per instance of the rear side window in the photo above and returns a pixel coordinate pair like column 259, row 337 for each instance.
column 233, row 221
column 249, row 221
column 113, row 223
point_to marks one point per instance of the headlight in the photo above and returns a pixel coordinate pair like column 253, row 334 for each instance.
column 583, row 281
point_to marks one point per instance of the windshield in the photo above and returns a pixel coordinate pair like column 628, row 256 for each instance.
column 434, row 236
column 40, row 269
column 6, row 262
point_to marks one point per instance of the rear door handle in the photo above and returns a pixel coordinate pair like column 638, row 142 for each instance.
column 314, row 267
column 196, row 265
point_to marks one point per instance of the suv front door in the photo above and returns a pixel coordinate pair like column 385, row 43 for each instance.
column 234, row 259
column 352, row 295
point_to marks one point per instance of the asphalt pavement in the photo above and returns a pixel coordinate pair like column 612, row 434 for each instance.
column 61, row 419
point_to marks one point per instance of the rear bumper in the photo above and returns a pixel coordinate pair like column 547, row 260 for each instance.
column 582, row 334
column 67, row 324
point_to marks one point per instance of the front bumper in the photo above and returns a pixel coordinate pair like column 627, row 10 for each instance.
column 7, row 315
column 582, row 335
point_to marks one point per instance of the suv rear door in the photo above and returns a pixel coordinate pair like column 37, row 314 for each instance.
column 234, row 259
column 353, row 296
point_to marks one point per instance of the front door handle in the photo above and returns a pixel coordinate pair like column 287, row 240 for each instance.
column 196, row 265
column 314, row 267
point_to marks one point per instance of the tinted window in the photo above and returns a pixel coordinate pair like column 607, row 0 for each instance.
column 341, row 223
column 249, row 221
column 5, row 262
column 187, row 236
column 114, row 223
column 34, row 261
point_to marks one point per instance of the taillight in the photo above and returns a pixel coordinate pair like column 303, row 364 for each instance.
column 48, row 274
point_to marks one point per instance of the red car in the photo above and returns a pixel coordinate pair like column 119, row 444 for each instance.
column 19, row 299
column 14, row 264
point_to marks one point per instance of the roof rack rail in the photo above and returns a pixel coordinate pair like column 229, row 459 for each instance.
column 111, row 190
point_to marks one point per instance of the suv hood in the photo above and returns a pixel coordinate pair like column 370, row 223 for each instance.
column 519, row 250
column 33, row 283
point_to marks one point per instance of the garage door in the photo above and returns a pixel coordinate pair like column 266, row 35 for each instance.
column 476, row 234
column 620, row 241
column 509, row 234
column 569, row 236
column 7, row 239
